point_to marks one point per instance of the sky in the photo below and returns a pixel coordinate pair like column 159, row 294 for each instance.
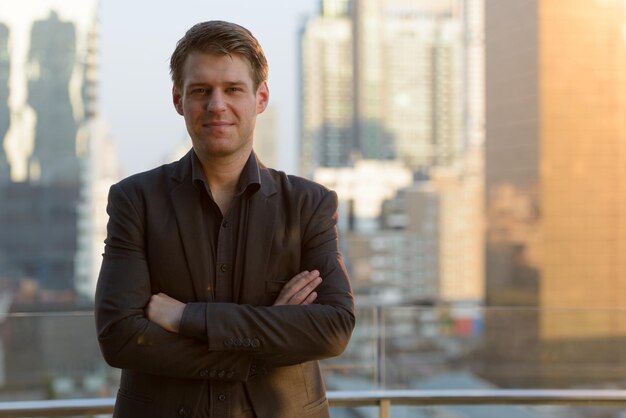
column 136, row 40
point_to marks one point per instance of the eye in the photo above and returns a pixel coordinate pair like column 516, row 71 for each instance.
column 233, row 89
column 199, row 91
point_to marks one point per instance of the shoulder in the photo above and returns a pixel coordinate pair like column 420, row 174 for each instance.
column 296, row 194
column 155, row 178
column 295, row 186
column 146, row 178
column 152, row 185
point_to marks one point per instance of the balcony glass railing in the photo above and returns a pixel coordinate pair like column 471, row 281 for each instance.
column 441, row 358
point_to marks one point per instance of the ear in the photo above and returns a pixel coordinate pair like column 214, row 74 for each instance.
column 262, row 97
column 177, row 98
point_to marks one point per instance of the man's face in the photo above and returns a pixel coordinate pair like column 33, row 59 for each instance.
column 220, row 104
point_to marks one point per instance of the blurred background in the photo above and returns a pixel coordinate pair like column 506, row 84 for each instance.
column 478, row 148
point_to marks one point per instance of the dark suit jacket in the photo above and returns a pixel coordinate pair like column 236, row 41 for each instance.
column 152, row 246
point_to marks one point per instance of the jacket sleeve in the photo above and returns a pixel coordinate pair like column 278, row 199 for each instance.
column 127, row 338
column 288, row 334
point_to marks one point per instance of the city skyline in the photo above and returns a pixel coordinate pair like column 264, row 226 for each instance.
column 495, row 247
column 51, row 73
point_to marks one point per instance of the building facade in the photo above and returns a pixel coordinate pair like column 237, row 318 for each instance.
column 384, row 80
column 48, row 102
column 328, row 138
column 555, row 180
column 555, row 151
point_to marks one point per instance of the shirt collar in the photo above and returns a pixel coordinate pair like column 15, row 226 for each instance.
column 249, row 180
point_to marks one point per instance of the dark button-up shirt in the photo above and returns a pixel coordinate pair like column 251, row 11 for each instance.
column 225, row 235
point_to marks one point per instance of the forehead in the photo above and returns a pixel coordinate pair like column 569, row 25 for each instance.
column 209, row 67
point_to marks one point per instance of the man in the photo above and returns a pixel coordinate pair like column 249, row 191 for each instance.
column 221, row 284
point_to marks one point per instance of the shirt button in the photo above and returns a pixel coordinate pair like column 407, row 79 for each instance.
column 184, row 412
column 224, row 268
column 221, row 397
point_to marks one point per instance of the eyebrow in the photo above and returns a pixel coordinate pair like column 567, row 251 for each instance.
column 227, row 83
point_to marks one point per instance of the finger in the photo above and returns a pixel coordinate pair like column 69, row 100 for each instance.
column 300, row 275
column 300, row 280
column 303, row 293
column 288, row 289
column 295, row 285
column 310, row 299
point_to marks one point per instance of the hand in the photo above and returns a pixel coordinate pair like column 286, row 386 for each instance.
column 165, row 311
column 300, row 289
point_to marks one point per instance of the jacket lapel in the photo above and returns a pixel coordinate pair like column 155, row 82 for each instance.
column 189, row 217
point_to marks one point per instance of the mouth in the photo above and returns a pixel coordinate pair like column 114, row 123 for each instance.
column 217, row 124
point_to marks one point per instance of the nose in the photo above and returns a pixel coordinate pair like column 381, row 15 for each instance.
column 216, row 102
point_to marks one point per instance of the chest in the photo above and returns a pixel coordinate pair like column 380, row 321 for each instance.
column 242, row 259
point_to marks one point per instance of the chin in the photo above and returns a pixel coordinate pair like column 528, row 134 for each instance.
column 218, row 152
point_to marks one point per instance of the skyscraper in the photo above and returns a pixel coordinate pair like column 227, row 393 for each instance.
column 5, row 170
column 327, row 93
column 556, row 170
column 556, row 100
column 49, row 48
column 99, row 169
column 422, row 75
column 583, row 162
column 52, row 57
column 384, row 80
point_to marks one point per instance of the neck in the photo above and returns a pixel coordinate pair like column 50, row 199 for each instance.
column 223, row 172
column 222, row 175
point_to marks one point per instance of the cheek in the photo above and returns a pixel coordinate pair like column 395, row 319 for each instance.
column 193, row 111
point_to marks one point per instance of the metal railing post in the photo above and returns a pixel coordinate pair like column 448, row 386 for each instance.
column 384, row 408
column 380, row 347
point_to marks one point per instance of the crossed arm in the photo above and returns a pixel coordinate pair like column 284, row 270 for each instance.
column 137, row 329
column 167, row 312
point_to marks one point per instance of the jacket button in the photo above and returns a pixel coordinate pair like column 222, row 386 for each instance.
column 224, row 268
column 221, row 397
column 228, row 342
column 204, row 373
column 246, row 342
column 237, row 342
column 230, row 374
column 221, row 374
column 184, row 412
column 255, row 342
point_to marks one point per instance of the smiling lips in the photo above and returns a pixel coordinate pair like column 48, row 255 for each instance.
column 217, row 124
